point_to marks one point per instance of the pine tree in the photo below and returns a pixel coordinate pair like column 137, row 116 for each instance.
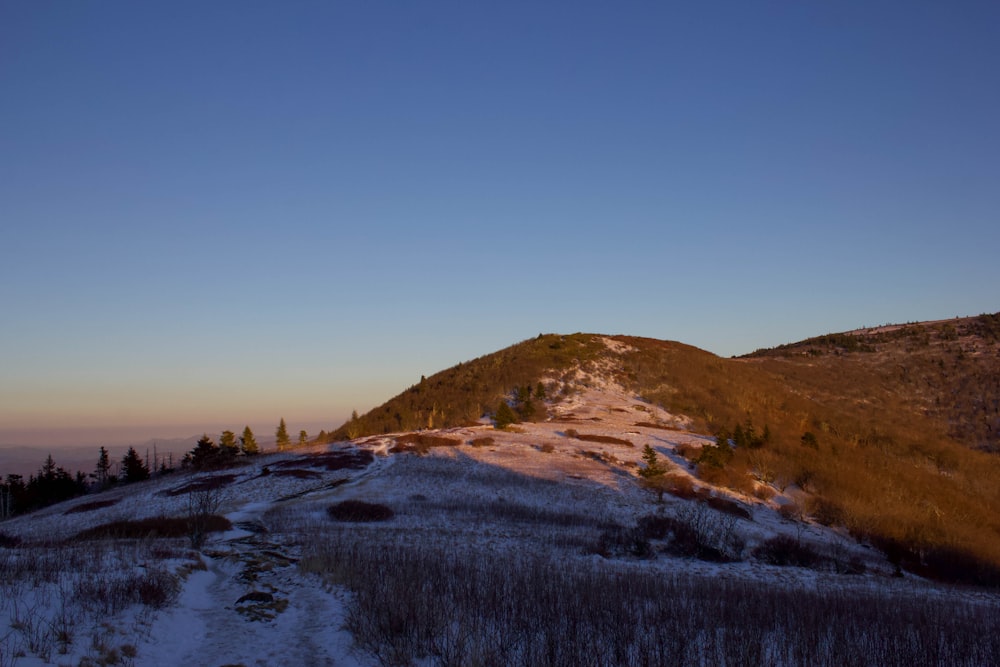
column 281, row 436
column 205, row 454
column 504, row 416
column 102, row 473
column 248, row 443
column 653, row 467
column 228, row 447
column 133, row 467
column 303, row 437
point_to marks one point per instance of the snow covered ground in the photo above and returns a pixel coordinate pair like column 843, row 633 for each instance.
column 244, row 599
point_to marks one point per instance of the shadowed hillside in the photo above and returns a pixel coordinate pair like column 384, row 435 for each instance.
column 875, row 430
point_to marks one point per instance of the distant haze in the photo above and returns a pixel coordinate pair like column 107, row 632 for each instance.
column 22, row 451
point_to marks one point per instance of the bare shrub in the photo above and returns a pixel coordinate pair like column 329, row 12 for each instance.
column 202, row 506
column 430, row 604
column 485, row 441
column 421, row 443
column 359, row 511
column 109, row 592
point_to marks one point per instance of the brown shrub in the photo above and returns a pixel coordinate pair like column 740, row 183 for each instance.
column 298, row 473
column 606, row 439
column 421, row 443
column 662, row 427
column 359, row 511
column 203, row 484
column 350, row 459
column 790, row 512
column 93, row 505
column 728, row 507
column 763, row 492
column 688, row 451
column 680, row 486
column 484, row 441
column 158, row 526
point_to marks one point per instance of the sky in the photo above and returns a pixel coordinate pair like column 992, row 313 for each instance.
column 218, row 214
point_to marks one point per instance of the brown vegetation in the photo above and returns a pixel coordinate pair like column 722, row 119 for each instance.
column 359, row 511
column 421, row 443
column 92, row 505
column 202, row 484
column 159, row 526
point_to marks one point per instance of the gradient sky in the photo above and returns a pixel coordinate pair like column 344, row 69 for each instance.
column 223, row 213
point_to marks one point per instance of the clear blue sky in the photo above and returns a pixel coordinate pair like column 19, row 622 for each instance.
column 223, row 213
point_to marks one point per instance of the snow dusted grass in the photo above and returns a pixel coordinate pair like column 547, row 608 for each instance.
column 453, row 607
column 528, row 547
column 59, row 598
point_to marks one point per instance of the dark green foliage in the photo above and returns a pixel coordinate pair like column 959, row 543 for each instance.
column 51, row 485
column 717, row 455
column 206, row 456
column 746, row 436
column 134, row 469
column 102, row 472
column 248, row 443
column 653, row 467
column 504, row 416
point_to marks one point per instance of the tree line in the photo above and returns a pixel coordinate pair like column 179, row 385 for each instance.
column 53, row 484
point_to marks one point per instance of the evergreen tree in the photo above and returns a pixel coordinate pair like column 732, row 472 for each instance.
column 653, row 467
column 205, row 454
column 134, row 469
column 303, row 437
column 281, row 436
column 249, row 443
column 228, row 447
column 504, row 416
column 102, row 473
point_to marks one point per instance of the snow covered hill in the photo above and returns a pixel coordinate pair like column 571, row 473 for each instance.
column 539, row 544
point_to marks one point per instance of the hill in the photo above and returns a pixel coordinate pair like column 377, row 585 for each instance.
column 878, row 430
column 654, row 505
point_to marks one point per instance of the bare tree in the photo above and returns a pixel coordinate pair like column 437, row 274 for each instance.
column 202, row 506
